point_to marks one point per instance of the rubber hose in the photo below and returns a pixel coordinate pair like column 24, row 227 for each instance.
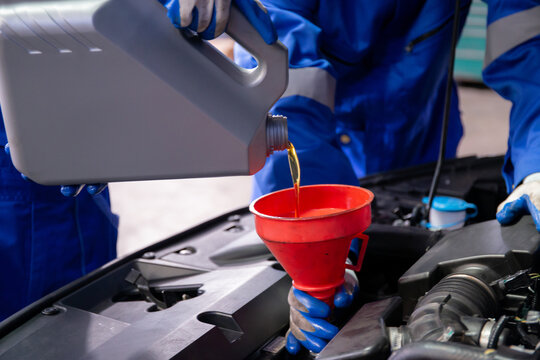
column 444, row 305
column 446, row 113
column 496, row 331
column 429, row 350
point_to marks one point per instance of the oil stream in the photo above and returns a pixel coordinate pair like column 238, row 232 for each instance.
column 294, row 165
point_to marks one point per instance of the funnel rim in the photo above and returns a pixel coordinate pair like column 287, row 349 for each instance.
column 309, row 218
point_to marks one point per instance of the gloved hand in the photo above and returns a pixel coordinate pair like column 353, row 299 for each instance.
column 525, row 199
column 68, row 190
column 74, row 190
column 209, row 17
column 308, row 326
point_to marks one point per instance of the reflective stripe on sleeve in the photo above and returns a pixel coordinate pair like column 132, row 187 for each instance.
column 510, row 31
column 314, row 83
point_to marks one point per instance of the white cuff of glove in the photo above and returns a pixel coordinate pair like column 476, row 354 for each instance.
column 205, row 10
column 529, row 186
column 532, row 177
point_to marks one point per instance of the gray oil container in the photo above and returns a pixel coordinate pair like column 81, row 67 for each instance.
column 109, row 90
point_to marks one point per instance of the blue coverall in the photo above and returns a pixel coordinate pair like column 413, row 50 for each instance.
column 367, row 78
column 366, row 90
column 46, row 239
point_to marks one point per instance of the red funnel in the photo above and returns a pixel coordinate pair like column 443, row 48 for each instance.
column 313, row 248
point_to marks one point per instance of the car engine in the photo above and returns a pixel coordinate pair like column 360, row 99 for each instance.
column 215, row 291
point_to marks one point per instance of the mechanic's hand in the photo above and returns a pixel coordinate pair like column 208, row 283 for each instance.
column 8, row 153
column 209, row 17
column 308, row 326
column 525, row 199
column 68, row 190
column 74, row 190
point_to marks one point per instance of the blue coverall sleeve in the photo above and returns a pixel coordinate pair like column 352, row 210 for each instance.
column 308, row 103
column 512, row 70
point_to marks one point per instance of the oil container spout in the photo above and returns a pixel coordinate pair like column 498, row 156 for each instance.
column 276, row 133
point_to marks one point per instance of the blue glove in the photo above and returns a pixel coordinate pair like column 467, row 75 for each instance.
column 525, row 199
column 8, row 153
column 209, row 17
column 308, row 326
column 74, row 190
column 68, row 190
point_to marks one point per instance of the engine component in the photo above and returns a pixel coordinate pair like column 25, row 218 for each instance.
column 488, row 271
column 452, row 298
column 438, row 315
column 517, row 281
column 173, row 303
column 445, row 351
column 477, row 181
column 486, row 251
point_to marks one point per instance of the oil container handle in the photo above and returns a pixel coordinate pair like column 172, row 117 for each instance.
column 360, row 259
column 271, row 74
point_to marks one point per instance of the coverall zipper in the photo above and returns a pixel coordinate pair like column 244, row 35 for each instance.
column 410, row 46
column 426, row 35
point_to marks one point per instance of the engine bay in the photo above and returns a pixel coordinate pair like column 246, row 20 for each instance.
column 216, row 292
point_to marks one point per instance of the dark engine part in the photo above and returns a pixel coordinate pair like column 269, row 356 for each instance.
column 446, row 351
column 479, row 275
column 441, row 314
column 486, row 251
column 215, row 292
column 448, row 300
column 212, row 292
column 398, row 193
